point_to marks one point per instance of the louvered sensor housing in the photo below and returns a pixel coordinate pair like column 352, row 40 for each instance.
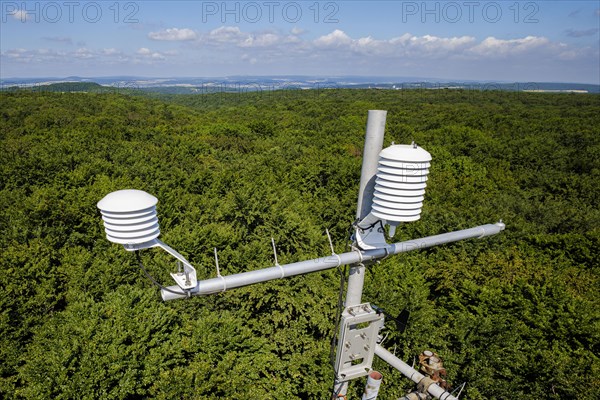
column 400, row 186
column 398, row 195
column 130, row 219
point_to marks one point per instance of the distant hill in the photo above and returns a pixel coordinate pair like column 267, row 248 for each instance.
column 239, row 84
column 63, row 87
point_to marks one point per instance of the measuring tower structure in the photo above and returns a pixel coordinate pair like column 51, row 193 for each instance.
column 391, row 191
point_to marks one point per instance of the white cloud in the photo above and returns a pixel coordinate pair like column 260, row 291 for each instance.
column 366, row 41
column 234, row 36
column 291, row 39
column 430, row 46
column 41, row 56
column 336, row 38
column 406, row 45
column 146, row 53
column 83, row 53
column 249, row 59
column 20, row 58
column 225, row 34
column 109, row 55
column 340, row 49
column 111, row 52
column 16, row 53
column 438, row 43
column 297, row 31
column 230, row 50
column 261, row 40
column 567, row 53
column 21, row 15
column 174, row 34
column 493, row 47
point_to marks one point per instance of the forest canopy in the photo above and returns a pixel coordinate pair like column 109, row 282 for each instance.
column 515, row 316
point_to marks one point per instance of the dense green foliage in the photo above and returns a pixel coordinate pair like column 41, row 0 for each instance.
column 516, row 315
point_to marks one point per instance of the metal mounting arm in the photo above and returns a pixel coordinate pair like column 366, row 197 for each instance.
column 220, row 284
column 185, row 279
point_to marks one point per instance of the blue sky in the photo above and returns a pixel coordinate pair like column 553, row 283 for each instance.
column 455, row 40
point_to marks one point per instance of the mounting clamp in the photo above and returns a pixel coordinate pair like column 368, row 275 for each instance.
column 359, row 331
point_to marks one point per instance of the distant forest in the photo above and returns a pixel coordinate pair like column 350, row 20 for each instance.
column 516, row 316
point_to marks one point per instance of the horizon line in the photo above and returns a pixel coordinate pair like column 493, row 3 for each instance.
column 425, row 79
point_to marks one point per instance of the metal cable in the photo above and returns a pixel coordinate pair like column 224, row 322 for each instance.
column 154, row 281
column 340, row 306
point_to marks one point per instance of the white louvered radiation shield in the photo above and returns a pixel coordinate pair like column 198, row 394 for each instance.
column 400, row 184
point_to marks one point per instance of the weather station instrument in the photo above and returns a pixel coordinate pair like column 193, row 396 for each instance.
column 391, row 191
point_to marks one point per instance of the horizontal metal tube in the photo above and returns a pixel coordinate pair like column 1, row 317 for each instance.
column 223, row 283
column 411, row 373
column 430, row 241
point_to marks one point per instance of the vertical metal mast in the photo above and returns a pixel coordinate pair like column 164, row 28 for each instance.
column 373, row 146
column 356, row 278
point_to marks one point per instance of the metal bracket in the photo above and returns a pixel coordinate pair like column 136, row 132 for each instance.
column 359, row 331
column 333, row 253
column 219, row 271
column 371, row 237
column 277, row 262
column 185, row 278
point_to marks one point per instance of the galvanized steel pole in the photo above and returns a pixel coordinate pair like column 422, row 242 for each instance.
column 373, row 146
